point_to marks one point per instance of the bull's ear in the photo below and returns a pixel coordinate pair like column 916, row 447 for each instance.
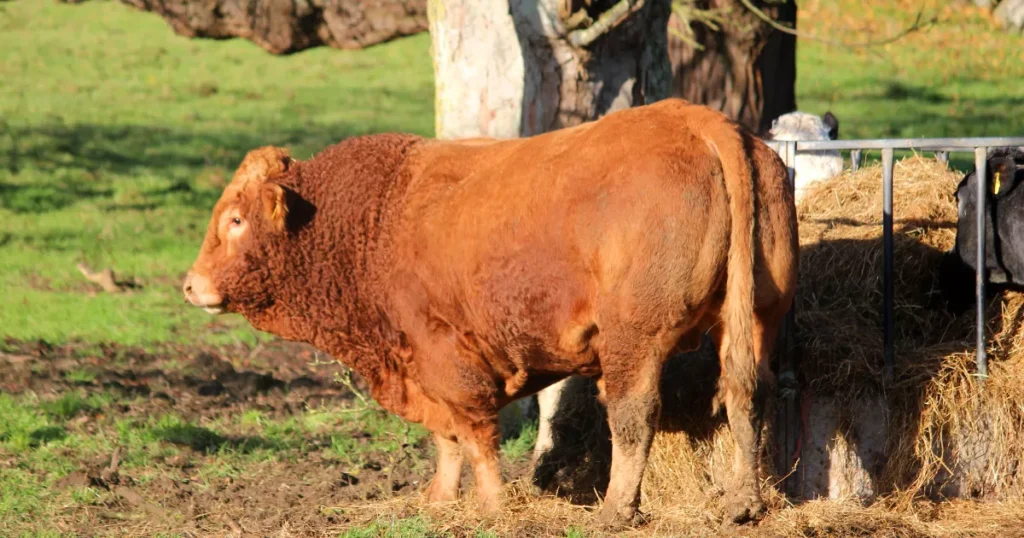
column 262, row 163
column 1001, row 172
column 833, row 125
column 275, row 205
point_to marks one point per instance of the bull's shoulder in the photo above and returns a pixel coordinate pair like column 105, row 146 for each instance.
column 455, row 157
column 364, row 157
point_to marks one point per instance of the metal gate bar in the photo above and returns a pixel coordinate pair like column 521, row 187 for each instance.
column 980, row 163
column 942, row 147
column 791, row 423
column 889, row 347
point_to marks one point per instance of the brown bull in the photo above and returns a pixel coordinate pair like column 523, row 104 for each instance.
column 457, row 276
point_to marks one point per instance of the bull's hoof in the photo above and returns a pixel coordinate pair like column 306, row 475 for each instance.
column 436, row 494
column 620, row 519
column 535, row 491
column 744, row 508
column 489, row 506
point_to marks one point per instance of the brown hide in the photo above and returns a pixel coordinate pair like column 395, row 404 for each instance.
column 456, row 276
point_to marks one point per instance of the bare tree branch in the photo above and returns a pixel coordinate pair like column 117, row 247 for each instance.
column 916, row 26
column 608, row 20
column 104, row 278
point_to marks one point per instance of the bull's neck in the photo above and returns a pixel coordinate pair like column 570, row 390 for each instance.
column 331, row 283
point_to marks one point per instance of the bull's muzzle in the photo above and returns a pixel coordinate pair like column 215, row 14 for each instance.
column 199, row 291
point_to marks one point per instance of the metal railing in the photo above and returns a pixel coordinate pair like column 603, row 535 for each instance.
column 941, row 147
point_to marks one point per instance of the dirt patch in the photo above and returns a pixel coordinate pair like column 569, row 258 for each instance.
column 299, row 488
column 301, row 496
column 279, row 378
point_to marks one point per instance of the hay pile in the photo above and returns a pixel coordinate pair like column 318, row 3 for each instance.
column 948, row 436
column 943, row 433
column 527, row 517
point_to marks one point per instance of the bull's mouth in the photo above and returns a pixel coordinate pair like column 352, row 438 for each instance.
column 199, row 292
column 213, row 308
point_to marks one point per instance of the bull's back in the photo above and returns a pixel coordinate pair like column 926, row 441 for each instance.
column 557, row 227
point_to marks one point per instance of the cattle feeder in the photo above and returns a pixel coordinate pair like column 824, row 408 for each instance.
column 941, row 147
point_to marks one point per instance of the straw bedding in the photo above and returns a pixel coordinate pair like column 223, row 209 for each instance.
column 948, row 434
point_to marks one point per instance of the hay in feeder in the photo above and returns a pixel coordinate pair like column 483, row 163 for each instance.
column 948, row 434
column 939, row 432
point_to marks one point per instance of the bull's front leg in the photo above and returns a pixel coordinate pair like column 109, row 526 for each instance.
column 445, row 486
column 457, row 400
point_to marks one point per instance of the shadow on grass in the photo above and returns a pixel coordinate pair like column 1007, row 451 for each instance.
column 47, row 434
column 78, row 157
column 206, row 440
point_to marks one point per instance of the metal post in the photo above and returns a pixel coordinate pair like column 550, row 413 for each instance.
column 855, row 156
column 887, row 272
column 788, row 381
column 942, row 157
column 981, row 174
column 790, row 161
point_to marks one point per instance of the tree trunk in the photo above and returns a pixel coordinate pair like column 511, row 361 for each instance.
column 509, row 70
column 1009, row 15
column 286, row 26
column 747, row 69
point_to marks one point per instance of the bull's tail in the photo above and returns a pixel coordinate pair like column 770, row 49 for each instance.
column 739, row 372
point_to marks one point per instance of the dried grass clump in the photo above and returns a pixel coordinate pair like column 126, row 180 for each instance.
column 527, row 517
column 947, row 434
column 839, row 298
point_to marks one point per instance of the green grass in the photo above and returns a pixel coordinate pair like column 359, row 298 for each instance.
column 420, row 527
column 72, row 403
column 81, row 376
column 393, row 528
column 116, row 137
column 520, row 444
column 47, row 443
column 960, row 78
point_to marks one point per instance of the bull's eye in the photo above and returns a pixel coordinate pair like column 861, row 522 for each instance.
column 236, row 221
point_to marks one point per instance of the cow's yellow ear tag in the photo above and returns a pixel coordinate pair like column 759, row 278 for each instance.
column 995, row 185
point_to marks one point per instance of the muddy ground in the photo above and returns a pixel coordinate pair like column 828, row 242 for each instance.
column 297, row 490
column 184, row 441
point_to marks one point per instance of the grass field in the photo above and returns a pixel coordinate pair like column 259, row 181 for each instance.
column 116, row 137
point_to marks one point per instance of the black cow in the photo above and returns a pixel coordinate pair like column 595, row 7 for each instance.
column 1004, row 231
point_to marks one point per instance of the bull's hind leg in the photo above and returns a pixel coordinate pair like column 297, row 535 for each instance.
column 629, row 388
column 743, row 388
column 481, row 445
column 445, row 486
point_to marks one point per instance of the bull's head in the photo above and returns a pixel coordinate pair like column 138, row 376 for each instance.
column 252, row 210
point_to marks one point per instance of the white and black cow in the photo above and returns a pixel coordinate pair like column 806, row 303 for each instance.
column 1004, row 231
column 810, row 166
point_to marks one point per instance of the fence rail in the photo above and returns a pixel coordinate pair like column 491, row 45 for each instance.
column 787, row 149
